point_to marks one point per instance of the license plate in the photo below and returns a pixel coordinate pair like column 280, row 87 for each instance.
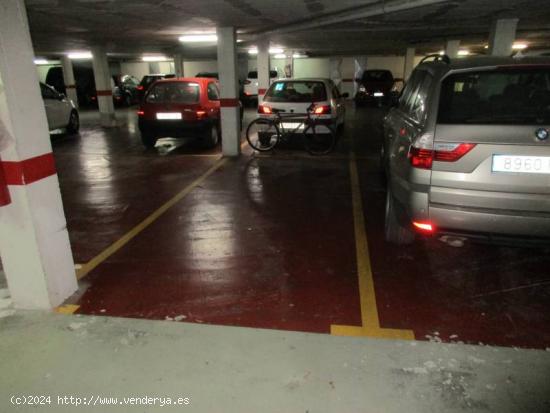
column 292, row 125
column 168, row 116
column 521, row 164
column 378, row 94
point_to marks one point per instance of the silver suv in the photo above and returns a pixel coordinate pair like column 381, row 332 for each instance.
column 467, row 151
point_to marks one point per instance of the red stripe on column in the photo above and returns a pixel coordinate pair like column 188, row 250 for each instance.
column 262, row 91
column 229, row 102
column 5, row 198
column 104, row 92
column 30, row 170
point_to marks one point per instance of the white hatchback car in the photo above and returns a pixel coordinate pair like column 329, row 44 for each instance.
column 297, row 95
column 60, row 111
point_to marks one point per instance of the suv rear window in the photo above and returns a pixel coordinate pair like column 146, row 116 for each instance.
column 254, row 74
column 173, row 92
column 501, row 96
column 296, row 91
column 377, row 76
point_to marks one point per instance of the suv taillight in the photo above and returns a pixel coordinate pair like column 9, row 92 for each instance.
column 442, row 152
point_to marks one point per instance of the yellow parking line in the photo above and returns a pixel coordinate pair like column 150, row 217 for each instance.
column 114, row 247
column 369, row 312
column 66, row 309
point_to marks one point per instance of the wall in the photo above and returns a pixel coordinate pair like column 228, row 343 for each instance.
column 193, row 67
column 42, row 71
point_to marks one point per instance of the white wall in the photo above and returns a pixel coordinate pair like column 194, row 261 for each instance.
column 136, row 69
column 191, row 68
column 42, row 71
column 312, row 67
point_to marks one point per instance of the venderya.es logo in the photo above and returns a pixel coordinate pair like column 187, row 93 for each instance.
column 541, row 134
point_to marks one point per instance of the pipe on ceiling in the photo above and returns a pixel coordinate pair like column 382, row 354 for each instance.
column 376, row 9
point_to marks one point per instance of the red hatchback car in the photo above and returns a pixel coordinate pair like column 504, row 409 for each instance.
column 181, row 107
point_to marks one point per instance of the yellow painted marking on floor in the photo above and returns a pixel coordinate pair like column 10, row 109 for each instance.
column 66, row 309
column 114, row 247
column 367, row 298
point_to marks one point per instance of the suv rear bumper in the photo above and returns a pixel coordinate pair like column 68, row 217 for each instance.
column 490, row 221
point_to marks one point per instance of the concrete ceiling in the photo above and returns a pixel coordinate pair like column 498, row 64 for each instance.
column 130, row 27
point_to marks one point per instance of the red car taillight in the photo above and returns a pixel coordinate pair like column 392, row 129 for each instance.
column 201, row 113
column 140, row 112
column 424, row 227
column 443, row 152
column 140, row 87
column 266, row 110
column 321, row 110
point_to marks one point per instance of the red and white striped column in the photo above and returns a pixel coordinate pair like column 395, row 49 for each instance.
column 68, row 77
column 263, row 68
column 229, row 91
column 103, row 87
column 34, row 243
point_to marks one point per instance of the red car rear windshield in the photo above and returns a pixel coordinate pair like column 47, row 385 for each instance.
column 174, row 92
column 498, row 96
column 296, row 91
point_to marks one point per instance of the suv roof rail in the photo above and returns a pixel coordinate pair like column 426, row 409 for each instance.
column 436, row 58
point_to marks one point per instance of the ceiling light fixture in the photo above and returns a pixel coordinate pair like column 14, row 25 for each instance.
column 463, row 52
column 272, row 50
column 40, row 62
column 299, row 56
column 519, row 46
column 280, row 56
column 198, row 38
column 154, row 58
column 80, row 55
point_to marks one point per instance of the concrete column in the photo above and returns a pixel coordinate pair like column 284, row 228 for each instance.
column 502, row 37
column 451, row 48
column 178, row 65
column 103, row 87
column 34, row 243
column 229, row 91
column 360, row 64
column 68, row 77
column 409, row 63
column 335, row 64
column 289, row 66
column 263, row 68
column 154, row 67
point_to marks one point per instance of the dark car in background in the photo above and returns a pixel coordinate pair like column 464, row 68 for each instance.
column 148, row 80
column 375, row 87
column 212, row 75
column 125, row 91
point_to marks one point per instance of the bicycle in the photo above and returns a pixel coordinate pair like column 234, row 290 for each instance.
column 263, row 134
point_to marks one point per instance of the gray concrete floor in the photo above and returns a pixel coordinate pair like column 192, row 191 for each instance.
column 228, row 369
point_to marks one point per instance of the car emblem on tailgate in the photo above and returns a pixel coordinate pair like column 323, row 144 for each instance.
column 541, row 134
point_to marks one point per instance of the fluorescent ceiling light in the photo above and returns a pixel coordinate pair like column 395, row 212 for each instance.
column 80, row 55
column 253, row 51
column 198, row 38
column 298, row 56
column 154, row 58
column 519, row 46
column 442, row 53
column 275, row 50
column 280, row 56
column 40, row 62
column 463, row 52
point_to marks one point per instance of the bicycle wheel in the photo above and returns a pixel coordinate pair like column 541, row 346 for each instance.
column 262, row 134
column 319, row 139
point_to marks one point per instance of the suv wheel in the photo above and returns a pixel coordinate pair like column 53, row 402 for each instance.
column 394, row 232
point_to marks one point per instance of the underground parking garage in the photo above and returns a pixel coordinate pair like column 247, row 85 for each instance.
column 275, row 206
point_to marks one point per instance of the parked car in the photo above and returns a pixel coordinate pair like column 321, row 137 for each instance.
column 467, row 151
column 375, row 87
column 125, row 90
column 296, row 95
column 181, row 107
column 60, row 111
column 250, row 90
column 148, row 80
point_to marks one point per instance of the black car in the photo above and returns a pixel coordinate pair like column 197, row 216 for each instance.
column 148, row 80
column 211, row 75
column 375, row 86
column 125, row 92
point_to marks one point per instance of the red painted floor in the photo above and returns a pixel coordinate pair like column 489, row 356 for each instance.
column 269, row 243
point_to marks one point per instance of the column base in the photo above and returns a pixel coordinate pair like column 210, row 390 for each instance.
column 108, row 120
